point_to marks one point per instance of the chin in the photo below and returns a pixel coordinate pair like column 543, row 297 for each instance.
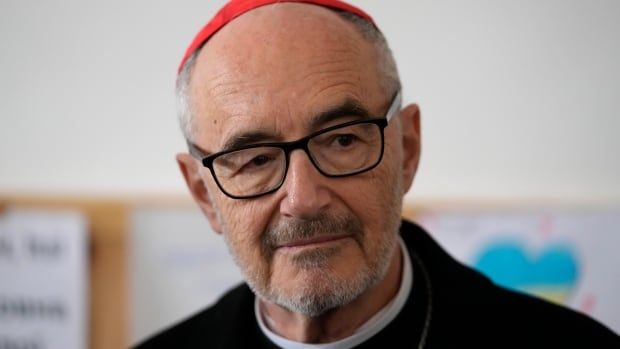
column 315, row 292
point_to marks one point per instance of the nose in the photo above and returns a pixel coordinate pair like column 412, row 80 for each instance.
column 305, row 190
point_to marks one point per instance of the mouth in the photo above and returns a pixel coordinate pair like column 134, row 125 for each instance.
column 319, row 241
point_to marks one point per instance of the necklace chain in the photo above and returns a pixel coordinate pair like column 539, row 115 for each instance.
column 429, row 305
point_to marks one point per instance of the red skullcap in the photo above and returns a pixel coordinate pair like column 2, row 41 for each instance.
column 236, row 8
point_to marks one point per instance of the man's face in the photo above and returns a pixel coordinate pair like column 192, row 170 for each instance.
column 317, row 242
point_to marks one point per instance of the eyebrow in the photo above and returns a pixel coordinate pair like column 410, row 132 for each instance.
column 247, row 138
column 349, row 108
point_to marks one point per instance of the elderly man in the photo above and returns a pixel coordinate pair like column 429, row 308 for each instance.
column 300, row 154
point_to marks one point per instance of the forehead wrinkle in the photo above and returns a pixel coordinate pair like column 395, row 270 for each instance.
column 264, row 118
column 227, row 81
column 340, row 73
column 347, row 90
column 230, row 96
column 225, row 84
column 331, row 70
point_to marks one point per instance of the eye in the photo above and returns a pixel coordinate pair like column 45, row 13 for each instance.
column 345, row 140
column 259, row 161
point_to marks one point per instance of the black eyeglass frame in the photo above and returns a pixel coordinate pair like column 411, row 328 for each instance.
column 302, row 143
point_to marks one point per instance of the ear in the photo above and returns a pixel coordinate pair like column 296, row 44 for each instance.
column 198, row 188
column 410, row 124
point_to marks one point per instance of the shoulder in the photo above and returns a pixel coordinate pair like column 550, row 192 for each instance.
column 208, row 325
column 523, row 318
column 490, row 315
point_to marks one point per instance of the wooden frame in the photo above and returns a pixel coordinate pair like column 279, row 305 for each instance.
column 108, row 293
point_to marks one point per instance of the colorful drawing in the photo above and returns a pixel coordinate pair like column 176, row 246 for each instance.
column 550, row 273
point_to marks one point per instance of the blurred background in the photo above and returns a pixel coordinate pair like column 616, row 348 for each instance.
column 520, row 157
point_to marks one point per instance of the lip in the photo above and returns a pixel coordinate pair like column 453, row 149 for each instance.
column 316, row 241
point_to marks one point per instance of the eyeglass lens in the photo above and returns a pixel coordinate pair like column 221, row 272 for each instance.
column 338, row 152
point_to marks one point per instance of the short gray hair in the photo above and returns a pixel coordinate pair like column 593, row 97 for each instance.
column 387, row 66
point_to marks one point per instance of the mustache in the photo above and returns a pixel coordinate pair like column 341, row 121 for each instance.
column 319, row 226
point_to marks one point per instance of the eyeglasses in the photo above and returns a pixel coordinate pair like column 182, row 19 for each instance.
column 338, row 151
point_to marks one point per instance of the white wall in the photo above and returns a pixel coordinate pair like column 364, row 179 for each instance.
column 519, row 98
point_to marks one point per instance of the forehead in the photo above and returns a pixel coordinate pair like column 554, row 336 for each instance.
column 277, row 66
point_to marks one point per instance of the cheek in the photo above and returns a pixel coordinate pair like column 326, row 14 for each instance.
column 244, row 223
column 379, row 204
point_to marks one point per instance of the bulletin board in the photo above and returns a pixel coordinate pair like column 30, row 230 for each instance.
column 558, row 252
column 107, row 234
column 134, row 257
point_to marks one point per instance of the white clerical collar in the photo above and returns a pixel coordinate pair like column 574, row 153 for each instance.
column 371, row 327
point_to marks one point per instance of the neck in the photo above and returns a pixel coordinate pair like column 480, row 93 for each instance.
column 340, row 322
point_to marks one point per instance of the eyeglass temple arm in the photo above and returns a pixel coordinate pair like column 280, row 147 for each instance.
column 395, row 106
column 195, row 152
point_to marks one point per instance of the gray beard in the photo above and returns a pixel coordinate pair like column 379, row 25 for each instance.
column 325, row 291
